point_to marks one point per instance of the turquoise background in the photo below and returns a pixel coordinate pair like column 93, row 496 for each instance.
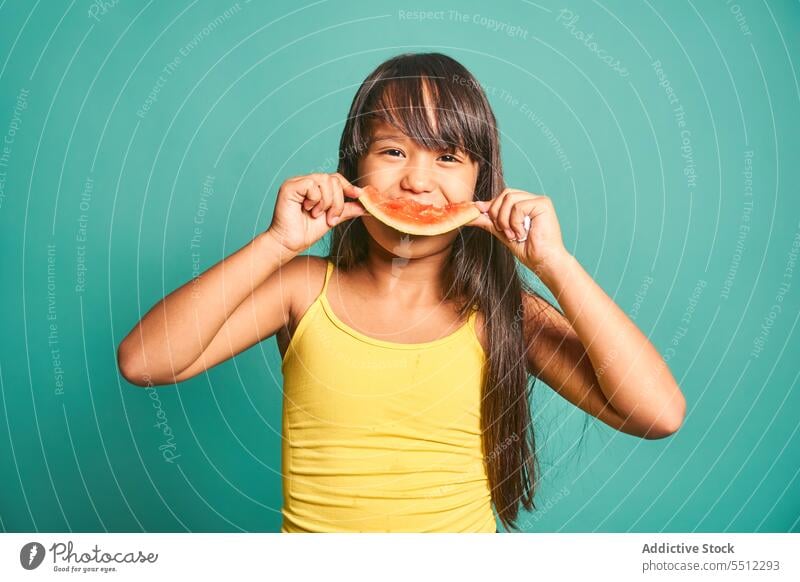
column 263, row 96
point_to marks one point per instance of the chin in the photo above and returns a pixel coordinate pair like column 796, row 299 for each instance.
column 403, row 245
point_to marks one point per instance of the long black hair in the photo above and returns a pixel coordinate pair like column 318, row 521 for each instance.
column 480, row 271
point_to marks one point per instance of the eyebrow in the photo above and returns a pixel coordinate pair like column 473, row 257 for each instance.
column 382, row 137
column 387, row 137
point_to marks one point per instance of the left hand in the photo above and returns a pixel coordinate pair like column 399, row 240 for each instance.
column 541, row 248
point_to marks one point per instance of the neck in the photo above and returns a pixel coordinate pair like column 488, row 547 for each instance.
column 415, row 282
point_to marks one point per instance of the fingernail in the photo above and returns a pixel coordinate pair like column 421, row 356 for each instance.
column 510, row 234
column 335, row 220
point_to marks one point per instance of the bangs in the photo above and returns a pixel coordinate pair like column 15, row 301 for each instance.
column 434, row 101
column 433, row 111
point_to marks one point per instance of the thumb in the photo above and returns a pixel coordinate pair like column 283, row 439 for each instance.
column 351, row 210
column 483, row 221
column 482, row 205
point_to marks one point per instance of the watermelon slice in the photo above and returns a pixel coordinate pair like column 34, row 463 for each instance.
column 413, row 217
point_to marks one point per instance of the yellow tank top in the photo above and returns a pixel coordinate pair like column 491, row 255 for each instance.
column 381, row 436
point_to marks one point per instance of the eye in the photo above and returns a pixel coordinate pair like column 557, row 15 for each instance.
column 392, row 152
column 451, row 158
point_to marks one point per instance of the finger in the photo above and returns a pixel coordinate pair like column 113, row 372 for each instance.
column 503, row 219
column 517, row 219
column 347, row 188
column 313, row 198
column 335, row 211
column 326, row 188
column 351, row 210
column 487, row 219
column 494, row 207
column 311, row 192
column 482, row 205
column 483, row 221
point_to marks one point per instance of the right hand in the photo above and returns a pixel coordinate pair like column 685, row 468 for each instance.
column 308, row 206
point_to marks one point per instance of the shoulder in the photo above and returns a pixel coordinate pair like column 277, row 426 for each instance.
column 304, row 276
column 304, row 267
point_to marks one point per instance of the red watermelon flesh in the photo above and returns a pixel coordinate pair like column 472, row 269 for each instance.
column 413, row 217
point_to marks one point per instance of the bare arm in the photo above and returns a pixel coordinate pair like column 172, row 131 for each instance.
column 270, row 307
column 556, row 355
column 176, row 331
column 242, row 299
column 599, row 360
column 592, row 354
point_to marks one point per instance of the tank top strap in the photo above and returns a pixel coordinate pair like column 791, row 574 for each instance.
column 328, row 271
column 473, row 317
column 310, row 314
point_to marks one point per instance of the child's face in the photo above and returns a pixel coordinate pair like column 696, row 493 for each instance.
column 399, row 167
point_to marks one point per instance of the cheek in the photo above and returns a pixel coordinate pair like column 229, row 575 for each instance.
column 460, row 186
column 381, row 175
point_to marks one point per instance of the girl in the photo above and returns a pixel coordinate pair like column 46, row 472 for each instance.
column 406, row 359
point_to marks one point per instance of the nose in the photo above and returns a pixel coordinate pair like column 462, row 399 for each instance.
column 418, row 178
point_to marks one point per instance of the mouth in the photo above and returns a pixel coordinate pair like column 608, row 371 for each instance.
column 389, row 198
column 413, row 217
